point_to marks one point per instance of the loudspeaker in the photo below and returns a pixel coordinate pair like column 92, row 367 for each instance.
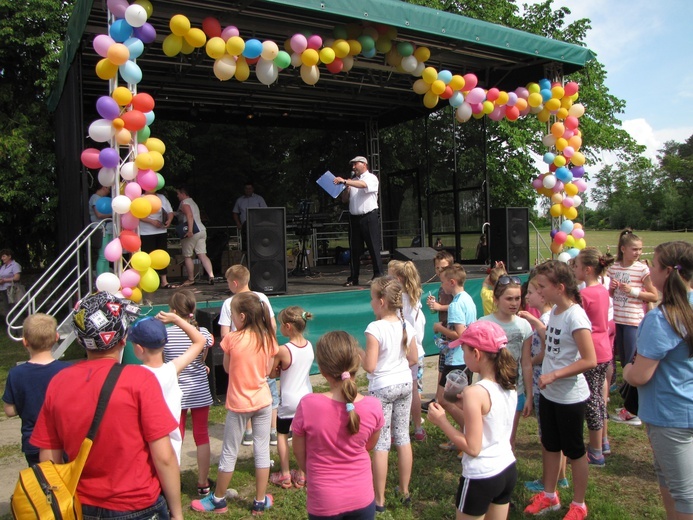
column 509, row 238
column 218, row 379
column 267, row 250
column 422, row 258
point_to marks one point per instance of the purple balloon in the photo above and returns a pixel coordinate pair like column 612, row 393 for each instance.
column 109, row 157
column 146, row 33
column 107, row 107
column 577, row 171
column 553, row 232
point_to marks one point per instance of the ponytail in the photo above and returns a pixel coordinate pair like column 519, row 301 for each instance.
column 506, row 368
column 350, row 391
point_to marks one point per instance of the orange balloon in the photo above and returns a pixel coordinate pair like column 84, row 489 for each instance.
column 154, row 201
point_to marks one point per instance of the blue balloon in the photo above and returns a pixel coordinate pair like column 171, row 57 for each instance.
column 253, row 49
column 567, row 226
column 120, row 30
column 546, row 94
column 135, row 46
column 149, row 117
column 573, row 252
column 369, row 53
column 544, row 84
column 445, row 76
column 562, row 174
column 456, row 99
column 130, row 72
column 549, row 158
column 103, row 205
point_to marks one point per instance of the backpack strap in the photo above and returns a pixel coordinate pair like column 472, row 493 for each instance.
column 104, row 397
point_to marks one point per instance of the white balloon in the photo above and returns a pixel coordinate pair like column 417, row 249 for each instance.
column 420, row 66
column 348, row 62
column 310, row 75
column 121, row 204
column 409, row 63
column 136, row 15
column 464, row 112
column 225, row 68
column 108, row 282
column 107, row 176
column 101, row 130
column 548, row 140
column 577, row 200
column 564, row 257
column 128, row 171
column 266, row 71
column 549, row 181
column 296, row 59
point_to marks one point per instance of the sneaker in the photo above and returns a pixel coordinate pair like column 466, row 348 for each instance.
column 576, row 512
column 290, row 437
column 209, row 504
column 594, row 460
column 606, row 448
column 247, row 439
column 424, row 406
column 613, row 388
column 273, row 439
column 420, row 435
column 448, row 446
column 624, row 416
column 535, row 486
column 541, row 504
column 563, row 483
column 260, row 507
column 203, row 491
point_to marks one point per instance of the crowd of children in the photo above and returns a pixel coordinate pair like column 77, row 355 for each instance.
column 545, row 349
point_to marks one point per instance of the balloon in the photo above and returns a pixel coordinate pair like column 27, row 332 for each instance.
column 108, row 282
column 135, row 47
column 155, row 145
column 154, row 201
column 340, row 47
column 113, row 250
column 132, row 191
column 564, row 257
column 548, row 140
column 224, row 68
column 567, row 226
column 128, row 221
column 476, row 95
column 146, row 33
column 556, row 210
column 161, row 182
column 348, row 63
column 179, row 25
column 135, row 296
column 148, row 180
column 580, row 243
column 534, row 100
column 128, row 171
column 569, row 241
column 121, row 204
column 107, row 176
column 242, row 69
column 577, row 200
column 470, row 81
column 136, row 15
column 130, row 72
column 310, row 75
column 229, row 32
column 570, row 213
column 143, row 102
column 310, row 57
column 160, row 259
column 437, row 87
column 109, row 158
column 130, row 240
column 120, row 31
column 430, row 99
column 101, row 130
column 429, row 75
column 129, row 278
column 567, row 202
column 149, row 281
column 464, row 112
column 336, row 66
column 570, row 189
column 102, row 43
column 578, row 159
column 157, row 161
column 577, row 110
column 144, row 161
column 140, row 208
column 559, row 161
column 134, row 120
column 140, row 261
column 578, row 233
column 570, row 88
column 560, row 237
column 283, row 59
column 405, row 49
column 409, row 64
column 422, row 53
column 555, row 248
column 266, row 71
column 172, row 45
column 557, row 130
column 314, row 42
column 549, row 158
column 456, row 99
column 270, row 50
column 556, row 198
column 211, row 27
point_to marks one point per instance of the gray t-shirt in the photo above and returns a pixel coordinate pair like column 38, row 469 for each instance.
column 518, row 330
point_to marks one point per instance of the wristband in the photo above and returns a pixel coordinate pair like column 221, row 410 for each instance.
column 634, row 292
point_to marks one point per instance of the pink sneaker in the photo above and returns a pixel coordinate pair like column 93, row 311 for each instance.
column 624, row 416
column 420, row 435
column 576, row 512
column 540, row 504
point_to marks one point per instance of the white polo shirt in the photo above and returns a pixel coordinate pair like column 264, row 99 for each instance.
column 364, row 200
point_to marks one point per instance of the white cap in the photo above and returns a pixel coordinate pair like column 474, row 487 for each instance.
column 359, row 158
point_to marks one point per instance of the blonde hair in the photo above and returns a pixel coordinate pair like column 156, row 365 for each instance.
column 409, row 276
column 238, row 273
column 390, row 290
column 296, row 316
column 258, row 321
column 455, row 272
column 183, row 303
column 39, row 331
column 337, row 352
column 495, row 273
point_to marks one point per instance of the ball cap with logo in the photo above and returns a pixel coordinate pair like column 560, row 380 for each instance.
column 148, row 333
column 101, row 320
column 482, row 335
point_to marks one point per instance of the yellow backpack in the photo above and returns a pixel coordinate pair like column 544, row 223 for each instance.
column 47, row 490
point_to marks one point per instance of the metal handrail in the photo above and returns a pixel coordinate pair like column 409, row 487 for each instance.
column 65, row 282
column 539, row 237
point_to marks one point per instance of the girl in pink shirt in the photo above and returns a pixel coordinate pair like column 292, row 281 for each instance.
column 333, row 433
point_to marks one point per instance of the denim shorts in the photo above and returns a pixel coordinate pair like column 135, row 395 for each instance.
column 274, row 391
column 158, row 511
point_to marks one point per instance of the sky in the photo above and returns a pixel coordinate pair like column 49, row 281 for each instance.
column 645, row 47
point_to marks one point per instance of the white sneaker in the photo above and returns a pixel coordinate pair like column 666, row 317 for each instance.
column 624, row 416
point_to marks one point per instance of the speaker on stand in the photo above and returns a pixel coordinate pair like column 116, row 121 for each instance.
column 509, row 238
column 422, row 258
column 267, row 250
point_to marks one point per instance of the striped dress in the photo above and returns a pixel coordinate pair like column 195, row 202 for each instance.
column 193, row 379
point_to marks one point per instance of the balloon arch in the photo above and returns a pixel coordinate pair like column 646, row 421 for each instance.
column 131, row 160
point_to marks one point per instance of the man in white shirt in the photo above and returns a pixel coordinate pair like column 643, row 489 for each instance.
column 364, row 226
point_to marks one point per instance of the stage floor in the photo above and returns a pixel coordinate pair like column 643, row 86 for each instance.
column 321, row 279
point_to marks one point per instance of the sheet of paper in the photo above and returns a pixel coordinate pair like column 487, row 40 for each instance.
column 326, row 182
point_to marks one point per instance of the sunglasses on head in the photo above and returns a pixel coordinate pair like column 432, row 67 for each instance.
column 505, row 280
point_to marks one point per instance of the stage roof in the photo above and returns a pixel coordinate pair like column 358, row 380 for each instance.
column 185, row 87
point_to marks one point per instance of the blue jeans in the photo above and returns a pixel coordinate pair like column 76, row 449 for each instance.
column 158, row 511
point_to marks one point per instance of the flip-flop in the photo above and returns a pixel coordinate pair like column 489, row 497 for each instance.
column 186, row 283
column 168, row 286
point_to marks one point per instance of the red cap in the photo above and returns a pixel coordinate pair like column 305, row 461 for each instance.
column 482, row 335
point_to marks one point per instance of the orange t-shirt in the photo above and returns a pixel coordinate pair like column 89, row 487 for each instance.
column 248, row 368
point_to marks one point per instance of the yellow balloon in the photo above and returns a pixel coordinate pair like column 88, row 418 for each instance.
column 561, row 143
column 140, row 261
column 341, row 48
column 578, row 159
column 561, row 113
column 186, row 48
column 172, row 45
column 149, row 281
column 556, row 210
column 438, row 87
column 577, row 110
column 140, row 208
column 580, row 243
column 215, row 48
column 544, row 116
column 566, row 103
column 570, row 213
column 394, row 58
column 242, row 69
column 533, row 88
column 160, row 259
column 310, row 57
column 106, row 70
column 196, row 37
column 354, row 47
column 569, row 241
column 424, row 54
column 157, row 160
column 155, row 145
column 552, row 105
column 179, row 25
column 429, row 75
column 327, row 55
column 502, row 98
column 122, row 96
column 430, row 99
column 235, row 45
column 570, row 189
column 487, row 107
column 557, row 92
column 559, row 161
column 456, row 83
column 534, row 99
column 136, row 295
column 149, row 9
column 144, row 161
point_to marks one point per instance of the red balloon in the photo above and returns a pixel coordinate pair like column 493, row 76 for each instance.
column 143, row 102
column 252, row 61
column 90, row 158
column 470, row 81
column 492, row 94
column 134, row 120
column 130, row 241
column 552, row 167
column 211, row 27
column 336, row 66
column 512, row 113
column 447, row 93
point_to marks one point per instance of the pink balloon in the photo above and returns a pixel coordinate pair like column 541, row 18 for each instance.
column 580, row 184
column 470, row 81
column 133, row 190
column 578, row 233
column 537, row 183
column 568, row 152
column 314, row 42
column 142, row 149
column 126, row 292
column 298, row 43
column 90, row 158
column 113, row 250
column 147, row 179
column 129, row 221
column 129, row 278
column 571, row 122
column 101, row 44
column 522, row 92
column 558, row 187
column 560, row 237
column 117, row 7
column 568, row 134
column 477, row 108
column 568, row 202
column 229, row 31
column 570, row 88
column 475, row 96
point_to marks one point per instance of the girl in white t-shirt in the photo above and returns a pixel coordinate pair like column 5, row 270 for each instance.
column 408, row 276
column 292, row 363
column 569, row 353
column 489, row 473
column 390, row 351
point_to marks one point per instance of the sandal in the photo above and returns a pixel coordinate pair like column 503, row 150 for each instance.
column 283, row 481
column 205, row 490
column 298, row 480
column 187, row 283
column 168, row 286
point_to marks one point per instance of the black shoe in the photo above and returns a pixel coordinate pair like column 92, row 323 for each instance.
column 350, row 283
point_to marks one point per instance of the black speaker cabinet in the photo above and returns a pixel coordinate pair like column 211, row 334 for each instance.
column 422, row 258
column 218, row 379
column 509, row 238
column 267, row 250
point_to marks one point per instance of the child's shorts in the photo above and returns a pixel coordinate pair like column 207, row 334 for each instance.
column 520, row 402
column 417, row 374
column 284, row 425
column 446, row 370
column 562, row 426
column 474, row 496
column 274, row 391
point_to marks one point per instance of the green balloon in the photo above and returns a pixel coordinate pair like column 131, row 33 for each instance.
column 283, row 60
column 340, row 32
column 367, row 43
column 405, row 49
column 161, row 182
column 143, row 135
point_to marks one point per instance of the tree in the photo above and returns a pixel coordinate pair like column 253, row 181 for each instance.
column 31, row 32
